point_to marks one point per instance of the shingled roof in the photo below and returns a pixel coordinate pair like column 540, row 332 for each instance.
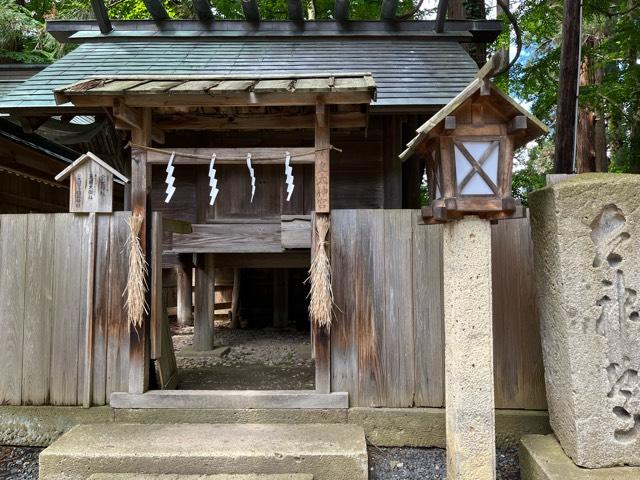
column 409, row 74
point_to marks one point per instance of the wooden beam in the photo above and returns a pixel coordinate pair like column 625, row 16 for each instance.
column 269, row 121
column 441, row 16
column 322, row 159
column 102, row 16
column 203, row 10
column 251, row 11
column 388, row 10
column 229, row 238
column 517, row 123
column 287, row 259
column 341, row 10
column 296, row 12
column 233, row 156
column 156, row 9
column 140, row 185
column 449, row 123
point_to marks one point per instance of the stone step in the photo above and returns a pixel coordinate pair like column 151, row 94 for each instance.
column 327, row 451
column 222, row 476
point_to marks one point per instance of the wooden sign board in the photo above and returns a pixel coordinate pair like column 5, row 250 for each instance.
column 90, row 184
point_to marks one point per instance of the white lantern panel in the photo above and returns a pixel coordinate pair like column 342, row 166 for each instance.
column 476, row 185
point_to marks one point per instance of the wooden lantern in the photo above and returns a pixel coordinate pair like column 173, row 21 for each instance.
column 468, row 149
column 91, row 184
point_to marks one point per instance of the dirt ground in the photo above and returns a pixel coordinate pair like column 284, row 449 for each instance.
column 265, row 359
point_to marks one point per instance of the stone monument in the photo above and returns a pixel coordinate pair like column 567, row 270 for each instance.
column 586, row 233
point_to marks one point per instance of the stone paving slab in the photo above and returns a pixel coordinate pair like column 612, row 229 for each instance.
column 144, row 476
column 542, row 458
column 329, row 452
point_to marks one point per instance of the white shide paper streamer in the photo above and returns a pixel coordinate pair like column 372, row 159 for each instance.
column 170, row 179
column 213, row 182
column 288, row 171
column 253, row 176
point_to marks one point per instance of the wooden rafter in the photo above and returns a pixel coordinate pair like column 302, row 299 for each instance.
column 388, row 10
column 251, row 11
column 341, row 10
column 203, row 10
column 441, row 16
column 102, row 16
column 296, row 12
column 156, row 9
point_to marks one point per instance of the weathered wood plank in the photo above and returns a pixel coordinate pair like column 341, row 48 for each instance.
column 428, row 314
column 518, row 370
column 38, row 309
column 84, row 246
column 13, row 239
column 323, row 159
column 370, row 312
column 102, row 286
column 118, row 326
column 157, row 310
column 86, row 348
column 344, row 355
column 230, row 238
column 295, row 231
column 289, row 259
column 68, row 290
column 399, row 342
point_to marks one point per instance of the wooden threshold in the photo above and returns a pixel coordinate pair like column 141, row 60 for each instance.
column 230, row 399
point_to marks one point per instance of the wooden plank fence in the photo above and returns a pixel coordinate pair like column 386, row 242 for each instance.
column 44, row 263
column 387, row 338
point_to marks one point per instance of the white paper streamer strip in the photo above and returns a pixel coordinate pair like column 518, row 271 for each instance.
column 253, row 176
column 170, row 178
column 213, row 182
column 288, row 171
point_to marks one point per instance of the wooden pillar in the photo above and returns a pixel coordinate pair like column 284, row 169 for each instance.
column 235, row 299
column 320, row 336
column 140, row 186
column 184, row 284
column 204, row 302
column 280, row 297
column 391, row 164
column 468, row 359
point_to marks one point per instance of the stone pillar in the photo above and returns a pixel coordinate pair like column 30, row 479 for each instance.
column 468, row 322
column 586, row 233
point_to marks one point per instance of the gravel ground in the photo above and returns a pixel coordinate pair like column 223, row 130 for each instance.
column 19, row 463
column 428, row 464
column 384, row 464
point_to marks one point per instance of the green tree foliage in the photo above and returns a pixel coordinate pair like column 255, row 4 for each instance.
column 611, row 36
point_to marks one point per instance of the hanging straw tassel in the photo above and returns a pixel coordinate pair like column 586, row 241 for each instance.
column 321, row 293
column 136, row 289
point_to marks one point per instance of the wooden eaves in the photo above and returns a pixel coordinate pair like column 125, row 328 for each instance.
column 189, row 90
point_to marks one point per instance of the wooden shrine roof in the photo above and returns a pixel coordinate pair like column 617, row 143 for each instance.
column 409, row 74
column 183, row 90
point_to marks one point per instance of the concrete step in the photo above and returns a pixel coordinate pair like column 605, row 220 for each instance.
column 327, row 451
column 222, row 476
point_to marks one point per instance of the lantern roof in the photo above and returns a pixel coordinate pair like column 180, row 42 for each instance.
column 481, row 85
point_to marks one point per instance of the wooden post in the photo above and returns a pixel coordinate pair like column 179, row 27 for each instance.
column 89, row 341
column 235, row 299
column 204, row 302
column 320, row 336
column 158, row 308
column 184, row 284
column 140, row 186
column 280, row 297
column 468, row 326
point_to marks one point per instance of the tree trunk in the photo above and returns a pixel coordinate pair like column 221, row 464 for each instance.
column 634, row 110
column 311, row 10
column 568, row 88
column 586, row 133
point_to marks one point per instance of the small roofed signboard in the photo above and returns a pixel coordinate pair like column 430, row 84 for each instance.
column 91, row 184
